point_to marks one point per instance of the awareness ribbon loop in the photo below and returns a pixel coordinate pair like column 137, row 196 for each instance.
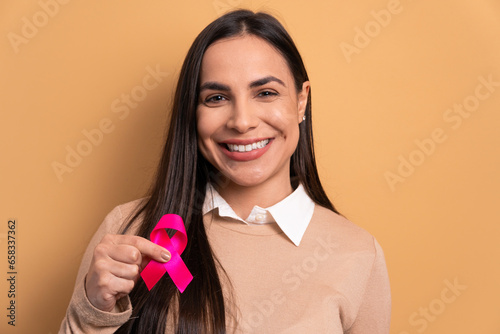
column 176, row 268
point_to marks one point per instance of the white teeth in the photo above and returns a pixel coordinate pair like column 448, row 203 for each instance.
column 249, row 147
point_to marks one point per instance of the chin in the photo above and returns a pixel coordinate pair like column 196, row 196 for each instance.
column 245, row 180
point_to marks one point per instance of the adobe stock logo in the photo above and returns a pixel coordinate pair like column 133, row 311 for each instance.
column 31, row 26
column 363, row 36
column 427, row 146
column 291, row 280
column 122, row 106
column 428, row 314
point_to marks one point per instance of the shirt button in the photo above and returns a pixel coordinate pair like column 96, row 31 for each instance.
column 259, row 217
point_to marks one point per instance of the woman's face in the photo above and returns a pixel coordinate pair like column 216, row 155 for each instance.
column 249, row 112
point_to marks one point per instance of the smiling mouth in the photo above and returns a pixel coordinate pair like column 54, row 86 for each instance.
column 247, row 148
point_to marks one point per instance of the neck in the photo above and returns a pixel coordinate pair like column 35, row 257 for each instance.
column 242, row 199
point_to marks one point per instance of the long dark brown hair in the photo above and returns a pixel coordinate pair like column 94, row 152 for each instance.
column 181, row 179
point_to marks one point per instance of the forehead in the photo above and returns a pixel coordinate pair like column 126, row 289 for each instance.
column 245, row 58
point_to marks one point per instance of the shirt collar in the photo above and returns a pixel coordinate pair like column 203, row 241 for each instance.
column 292, row 214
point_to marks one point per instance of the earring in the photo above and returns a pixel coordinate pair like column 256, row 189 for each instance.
column 304, row 117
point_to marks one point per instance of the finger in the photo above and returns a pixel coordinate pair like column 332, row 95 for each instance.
column 118, row 286
column 104, row 266
column 125, row 253
column 123, row 270
column 108, row 250
column 145, row 247
column 104, row 290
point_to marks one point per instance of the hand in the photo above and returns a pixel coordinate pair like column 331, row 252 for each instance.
column 115, row 267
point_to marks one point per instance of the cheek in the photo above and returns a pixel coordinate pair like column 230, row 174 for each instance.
column 203, row 133
column 207, row 127
column 203, row 126
column 284, row 120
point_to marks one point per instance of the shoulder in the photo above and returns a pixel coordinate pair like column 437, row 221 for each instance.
column 340, row 231
column 120, row 215
column 130, row 208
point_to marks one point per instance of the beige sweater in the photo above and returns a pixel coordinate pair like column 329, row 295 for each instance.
column 335, row 282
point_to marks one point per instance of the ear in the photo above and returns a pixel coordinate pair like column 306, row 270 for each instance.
column 302, row 100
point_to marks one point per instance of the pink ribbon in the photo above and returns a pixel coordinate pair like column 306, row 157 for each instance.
column 176, row 267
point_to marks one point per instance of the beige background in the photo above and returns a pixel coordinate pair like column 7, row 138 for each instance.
column 374, row 96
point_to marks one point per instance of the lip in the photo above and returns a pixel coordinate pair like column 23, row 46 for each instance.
column 244, row 141
column 245, row 156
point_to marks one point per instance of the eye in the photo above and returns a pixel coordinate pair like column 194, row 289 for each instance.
column 214, row 99
column 267, row 93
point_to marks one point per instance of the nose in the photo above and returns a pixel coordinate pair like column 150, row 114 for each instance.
column 243, row 117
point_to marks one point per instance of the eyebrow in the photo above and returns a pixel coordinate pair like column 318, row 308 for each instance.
column 212, row 85
column 263, row 81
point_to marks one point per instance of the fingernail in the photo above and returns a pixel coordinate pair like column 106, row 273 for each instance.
column 165, row 256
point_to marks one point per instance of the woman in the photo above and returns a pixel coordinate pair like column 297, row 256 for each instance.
column 267, row 249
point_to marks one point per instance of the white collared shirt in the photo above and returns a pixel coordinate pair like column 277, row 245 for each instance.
column 292, row 214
